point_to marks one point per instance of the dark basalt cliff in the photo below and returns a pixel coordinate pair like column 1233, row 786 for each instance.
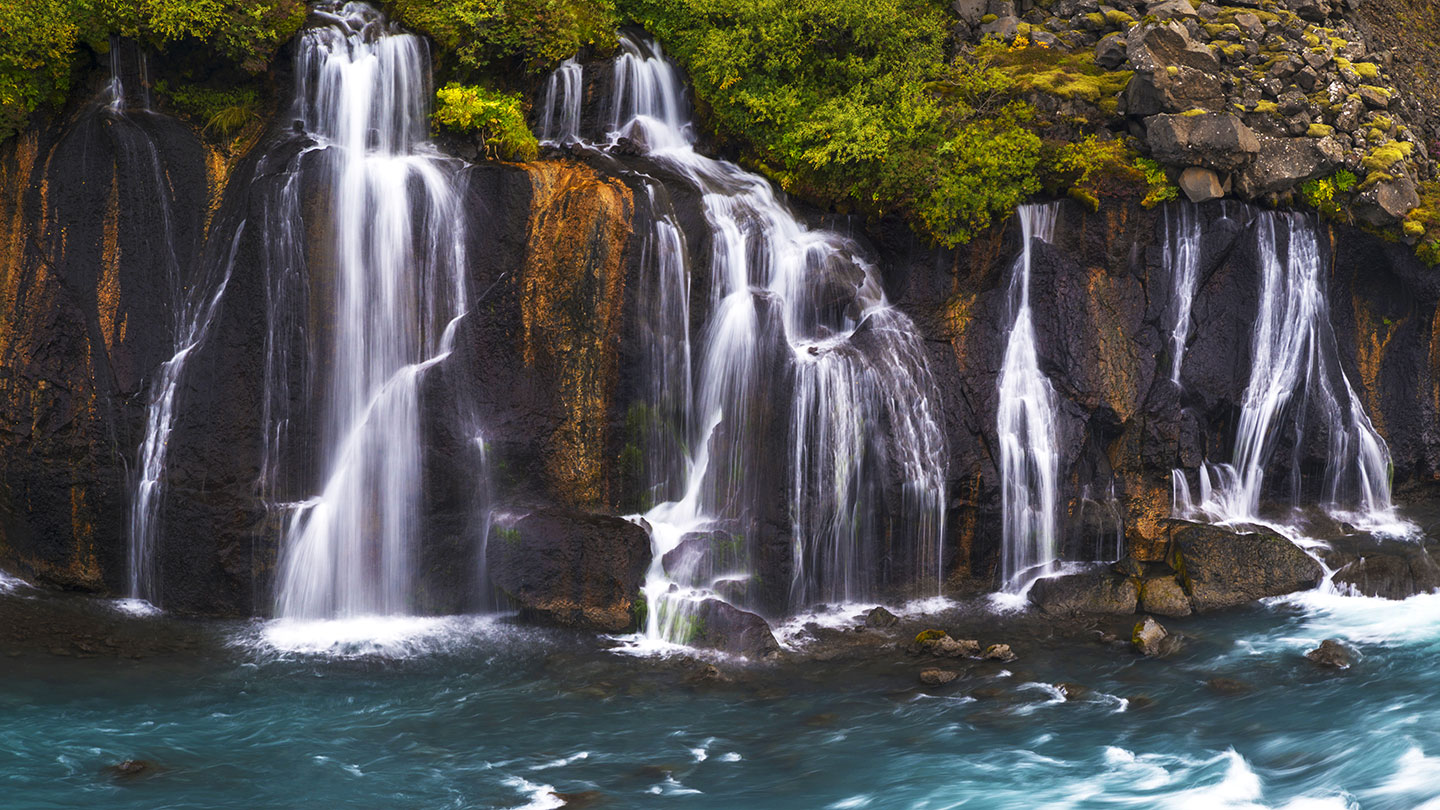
column 109, row 220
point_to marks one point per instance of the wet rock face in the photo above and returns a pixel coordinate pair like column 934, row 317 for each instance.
column 1391, row 570
column 571, row 569
column 1331, row 654
column 719, row 626
column 86, row 315
column 1098, row 591
column 1220, row 568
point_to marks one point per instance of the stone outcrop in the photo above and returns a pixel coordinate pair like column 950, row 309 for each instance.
column 716, row 625
column 1220, row 568
column 576, row 570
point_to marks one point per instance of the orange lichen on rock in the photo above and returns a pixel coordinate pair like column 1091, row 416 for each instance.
column 1372, row 340
column 572, row 293
column 1118, row 353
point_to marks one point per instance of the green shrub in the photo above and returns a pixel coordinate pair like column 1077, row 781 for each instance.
column 1091, row 169
column 1324, row 195
column 497, row 118
column 488, row 35
column 854, row 103
column 1159, row 187
column 41, row 40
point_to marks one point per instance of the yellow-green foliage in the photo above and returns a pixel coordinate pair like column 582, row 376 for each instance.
column 1383, row 157
column 1050, row 70
column 1325, row 195
column 1119, row 19
column 1427, row 216
column 221, row 111
column 1320, row 131
column 1160, row 189
column 494, row 34
column 856, row 104
column 1091, row 169
column 40, row 40
column 1366, row 70
column 1267, row 107
column 497, row 118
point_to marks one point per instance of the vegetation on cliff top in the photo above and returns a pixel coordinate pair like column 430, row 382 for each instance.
column 856, row 103
column 490, row 36
column 41, row 41
column 497, row 119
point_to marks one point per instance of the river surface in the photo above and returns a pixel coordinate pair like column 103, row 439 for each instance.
column 480, row 713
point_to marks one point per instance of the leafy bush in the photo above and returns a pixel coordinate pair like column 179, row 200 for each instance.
column 497, row 118
column 488, row 34
column 1093, row 168
column 36, row 40
column 1161, row 190
column 854, row 103
column 40, row 40
column 1325, row 194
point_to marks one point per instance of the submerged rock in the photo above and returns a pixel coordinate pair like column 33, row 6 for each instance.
column 937, row 677
column 880, row 617
column 1331, row 653
column 133, row 769
column 1000, row 652
column 1396, row 572
column 1148, row 637
column 570, row 569
column 1220, row 568
column 1228, row 686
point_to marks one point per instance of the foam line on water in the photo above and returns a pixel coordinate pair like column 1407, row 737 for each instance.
column 370, row 636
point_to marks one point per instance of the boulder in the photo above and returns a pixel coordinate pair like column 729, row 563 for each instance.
column 1397, row 573
column 1311, row 10
column 1154, row 48
column 999, row 652
column 1173, row 91
column 1216, row 141
column 969, row 10
column 1148, row 637
column 937, row 677
column 1386, row 202
column 1110, row 51
column 1221, row 568
column 1097, row 591
column 1284, row 163
column 717, row 625
column 948, row 647
column 1005, row 28
column 1163, row 596
column 570, row 569
column 1167, row 9
column 702, row 556
column 1201, row 185
column 1330, row 654
column 880, row 617
column 1250, row 25
column 1374, row 97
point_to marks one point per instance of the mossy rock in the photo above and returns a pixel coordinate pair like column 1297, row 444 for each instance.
column 926, row 636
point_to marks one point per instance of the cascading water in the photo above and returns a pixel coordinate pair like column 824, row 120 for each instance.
column 1025, row 425
column 398, row 256
column 862, row 425
column 560, row 123
column 1295, row 373
column 1182, row 258
column 192, row 311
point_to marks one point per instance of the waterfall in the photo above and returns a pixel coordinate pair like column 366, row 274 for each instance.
column 791, row 309
column 665, row 296
column 1025, row 426
column 1182, row 258
column 1295, row 374
column 192, row 312
column 560, row 122
column 397, row 249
